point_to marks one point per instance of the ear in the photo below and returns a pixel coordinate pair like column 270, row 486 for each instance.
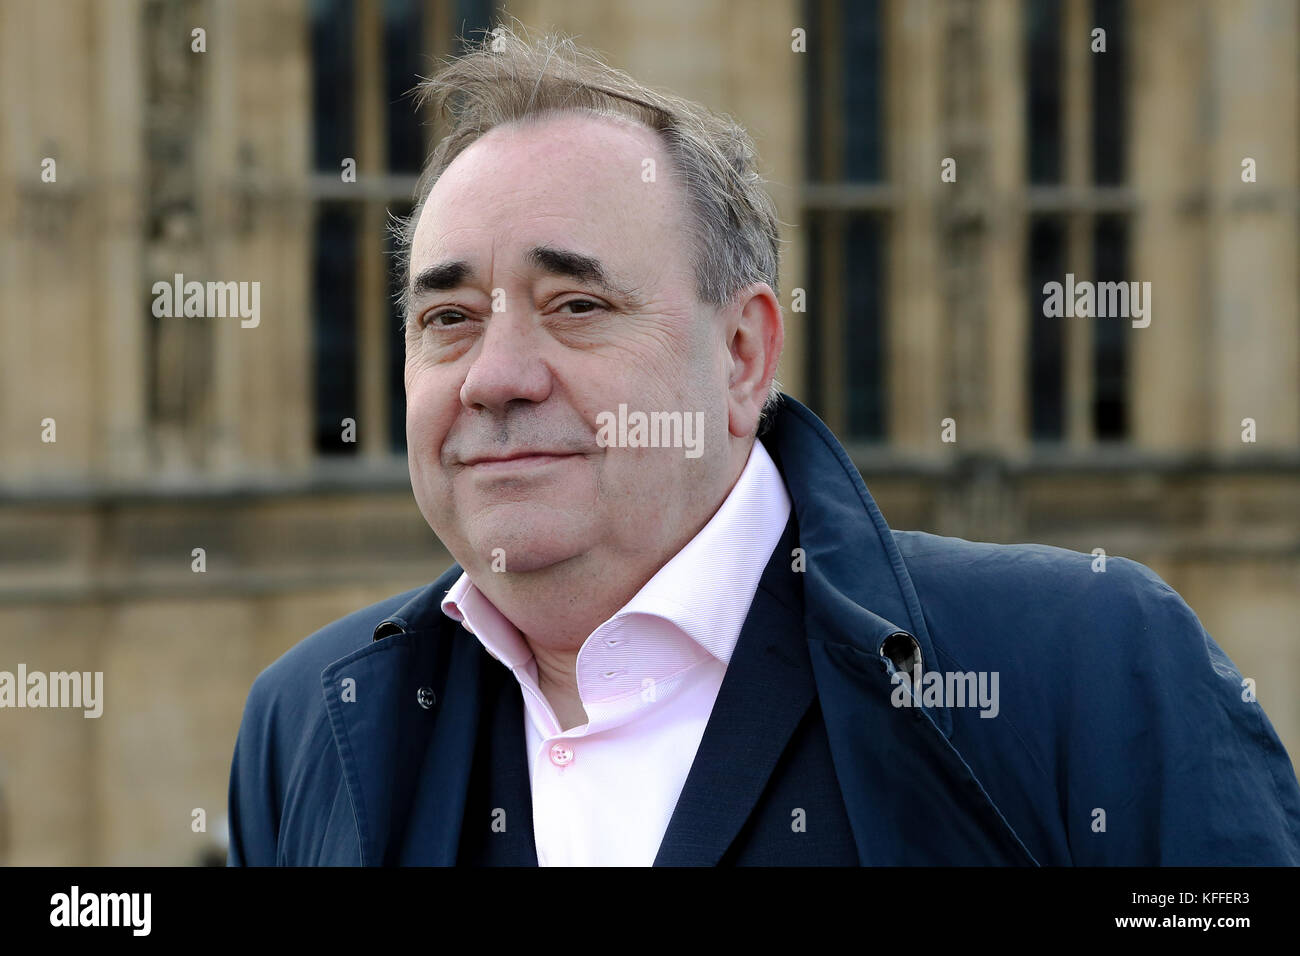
column 755, row 337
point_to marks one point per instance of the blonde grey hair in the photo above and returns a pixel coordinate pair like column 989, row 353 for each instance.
column 509, row 76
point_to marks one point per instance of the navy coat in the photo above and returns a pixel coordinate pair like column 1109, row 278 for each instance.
column 1123, row 733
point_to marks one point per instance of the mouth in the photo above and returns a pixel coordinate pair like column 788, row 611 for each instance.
column 519, row 461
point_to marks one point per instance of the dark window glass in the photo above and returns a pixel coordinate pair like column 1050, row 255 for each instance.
column 860, row 77
column 855, row 294
column 472, row 17
column 844, row 108
column 403, row 51
column 1110, row 351
column 333, row 82
column 334, row 286
column 1043, row 95
column 1108, row 106
column 1046, row 333
column 863, row 343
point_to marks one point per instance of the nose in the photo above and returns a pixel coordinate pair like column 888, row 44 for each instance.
column 507, row 366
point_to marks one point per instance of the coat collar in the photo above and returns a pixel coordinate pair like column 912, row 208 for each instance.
column 856, row 586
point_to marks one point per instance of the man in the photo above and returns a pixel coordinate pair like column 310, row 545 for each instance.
column 668, row 640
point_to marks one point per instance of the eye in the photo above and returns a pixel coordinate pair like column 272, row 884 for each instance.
column 444, row 318
column 592, row 305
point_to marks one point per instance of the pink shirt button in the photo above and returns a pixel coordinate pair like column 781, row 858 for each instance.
column 561, row 755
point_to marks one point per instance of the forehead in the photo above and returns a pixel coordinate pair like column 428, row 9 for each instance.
column 574, row 178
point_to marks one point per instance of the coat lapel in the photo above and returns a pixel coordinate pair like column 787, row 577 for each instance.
column 498, row 827
column 911, row 799
column 764, row 695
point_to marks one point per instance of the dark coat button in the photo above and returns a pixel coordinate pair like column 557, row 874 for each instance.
column 903, row 650
column 387, row 629
column 426, row 697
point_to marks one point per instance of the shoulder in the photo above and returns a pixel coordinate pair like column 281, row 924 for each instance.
column 1115, row 703
column 291, row 685
column 982, row 563
column 1096, row 635
column 306, row 659
column 284, row 732
column 1023, row 590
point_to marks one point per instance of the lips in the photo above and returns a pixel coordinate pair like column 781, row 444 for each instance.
column 518, row 456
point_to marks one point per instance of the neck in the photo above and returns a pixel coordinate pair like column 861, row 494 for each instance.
column 558, row 607
column 558, row 681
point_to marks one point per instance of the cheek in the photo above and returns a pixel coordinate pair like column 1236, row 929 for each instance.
column 691, row 368
column 430, row 410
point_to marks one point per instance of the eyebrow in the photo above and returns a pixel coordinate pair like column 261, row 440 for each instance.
column 547, row 259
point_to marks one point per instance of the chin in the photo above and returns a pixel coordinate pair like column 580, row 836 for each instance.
column 526, row 543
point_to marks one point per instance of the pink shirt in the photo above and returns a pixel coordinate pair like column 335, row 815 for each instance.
column 603, row 792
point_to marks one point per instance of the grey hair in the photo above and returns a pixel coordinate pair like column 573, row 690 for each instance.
column 509, row 76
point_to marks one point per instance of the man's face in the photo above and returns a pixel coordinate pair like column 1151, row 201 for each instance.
column 552, row 283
